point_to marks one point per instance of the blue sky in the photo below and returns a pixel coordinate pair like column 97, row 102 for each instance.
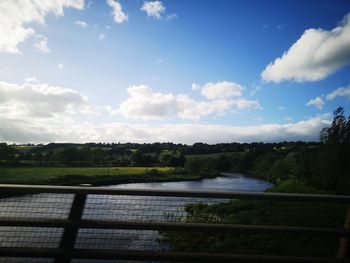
column 181, row 71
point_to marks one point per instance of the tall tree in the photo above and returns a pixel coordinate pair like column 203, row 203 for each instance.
column 334, row 158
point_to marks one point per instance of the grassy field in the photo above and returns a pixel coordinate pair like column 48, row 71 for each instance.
column 93, row 175
column 44, row 175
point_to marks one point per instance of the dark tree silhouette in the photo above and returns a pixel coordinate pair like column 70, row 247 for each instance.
column 334, row 158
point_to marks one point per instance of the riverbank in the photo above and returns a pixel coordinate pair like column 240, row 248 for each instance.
column 96, row 176
column 259, row 212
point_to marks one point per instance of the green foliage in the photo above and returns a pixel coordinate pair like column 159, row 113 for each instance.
column 201, row 165
column 292, row 186
column 248, row 212
column 334, row 158
column 7, row 153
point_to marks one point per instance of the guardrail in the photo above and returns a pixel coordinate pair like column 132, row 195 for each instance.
column 65, row 224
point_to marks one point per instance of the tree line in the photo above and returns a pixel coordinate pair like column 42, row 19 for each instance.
column 126, row 154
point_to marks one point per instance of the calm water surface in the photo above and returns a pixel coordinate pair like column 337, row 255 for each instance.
column 226, row 182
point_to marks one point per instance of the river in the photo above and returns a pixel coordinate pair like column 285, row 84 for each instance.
column 113, row 207
column 226, row 182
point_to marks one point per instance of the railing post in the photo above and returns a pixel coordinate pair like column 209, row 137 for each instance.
column 70, row 233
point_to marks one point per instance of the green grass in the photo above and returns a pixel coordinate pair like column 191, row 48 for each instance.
column 46, row 175
column 95, row 175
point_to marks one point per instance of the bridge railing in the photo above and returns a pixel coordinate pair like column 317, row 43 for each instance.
column 78, row 224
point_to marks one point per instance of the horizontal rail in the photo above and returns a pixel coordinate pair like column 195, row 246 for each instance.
column 168, row 256
column 34, row 189
column 173, row 226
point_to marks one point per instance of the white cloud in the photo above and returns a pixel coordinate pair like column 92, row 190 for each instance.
column 31, row 79
column 316, row 54
column 245, row 104
column 153, row 9
column 81, row 24
column 41, row 44
column 281, row 108
column 339, row 92
column 118, row 15
column 145, row 104
column 316, row 102
column 221, row 90
column 60, row 66
column 16, row 15
column 101, row 36
column 40, row 100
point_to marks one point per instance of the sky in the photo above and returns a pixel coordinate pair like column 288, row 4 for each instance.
column 181, row 71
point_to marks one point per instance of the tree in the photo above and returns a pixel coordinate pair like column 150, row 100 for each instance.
column 7, row 152
column 39, row 157
column 339, row 132
column 334, row 158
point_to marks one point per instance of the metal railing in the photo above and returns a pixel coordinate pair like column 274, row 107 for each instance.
column 65, row 224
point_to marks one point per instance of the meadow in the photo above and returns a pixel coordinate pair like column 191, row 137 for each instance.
column 92, row 175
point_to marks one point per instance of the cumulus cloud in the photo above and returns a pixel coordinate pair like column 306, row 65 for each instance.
column 118, row 15
column 339, row 92
column 154, row 9
column 317, row 102
column 16, row 15
column 143, row 103
column 316, row 54
column 41, row 44
column 32, row 112
column 40, row 100
column 245, row 104
column 221, row 90
column 81, row 24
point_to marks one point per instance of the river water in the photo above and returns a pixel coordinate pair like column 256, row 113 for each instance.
column 113, row 207
column 226, row 182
